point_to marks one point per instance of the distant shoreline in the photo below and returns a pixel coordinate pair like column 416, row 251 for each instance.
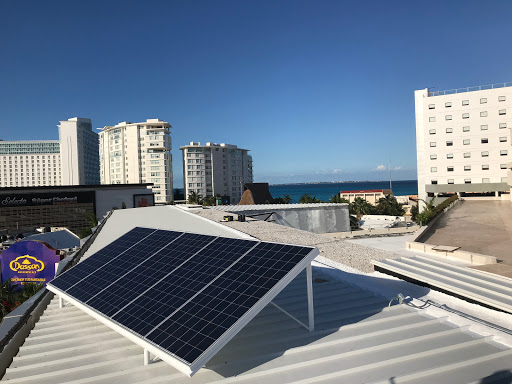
column 340, row 182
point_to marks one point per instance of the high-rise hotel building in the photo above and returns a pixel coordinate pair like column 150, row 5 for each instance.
column 71, row 160
column 133, row 153
column 216, row 169
column 463, row 140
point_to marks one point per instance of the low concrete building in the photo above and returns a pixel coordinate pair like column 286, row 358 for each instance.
column 371, row 195
column 316, row 218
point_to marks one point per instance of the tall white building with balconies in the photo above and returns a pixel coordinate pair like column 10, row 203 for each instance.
column 71, row 160
column 463, row 141
column 216, row 169
column 133, row 153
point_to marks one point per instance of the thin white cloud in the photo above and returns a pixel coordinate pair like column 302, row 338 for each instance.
column 397, row 168
column 381, row 167
column 336, row 171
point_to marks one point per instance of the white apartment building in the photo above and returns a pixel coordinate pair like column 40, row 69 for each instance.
column 133, row 153
column 463, row 141
column 71, row 160
column 216, row 169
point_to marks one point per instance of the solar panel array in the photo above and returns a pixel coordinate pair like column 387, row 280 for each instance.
column 179, row 291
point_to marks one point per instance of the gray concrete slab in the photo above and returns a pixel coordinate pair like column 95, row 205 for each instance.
column 477, row 226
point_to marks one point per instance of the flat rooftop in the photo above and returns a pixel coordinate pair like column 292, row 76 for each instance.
column 477, row 226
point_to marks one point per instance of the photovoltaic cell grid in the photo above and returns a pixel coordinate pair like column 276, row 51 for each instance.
column 179, row 291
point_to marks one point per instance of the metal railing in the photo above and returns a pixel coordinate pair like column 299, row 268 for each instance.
column 469, row 89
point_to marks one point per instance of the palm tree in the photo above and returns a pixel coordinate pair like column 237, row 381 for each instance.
column 194, row 198
column 360, row 207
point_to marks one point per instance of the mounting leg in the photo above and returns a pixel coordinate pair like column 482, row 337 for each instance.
column 61, row 302
column 147, row 357
column 311, row 309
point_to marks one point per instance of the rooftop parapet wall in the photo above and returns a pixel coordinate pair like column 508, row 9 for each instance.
column 316, row 218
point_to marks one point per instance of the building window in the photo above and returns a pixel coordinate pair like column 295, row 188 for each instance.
column 467, row 167
column 449, row 155
column 466, row 141
column 503, row 125
column 448, row 104
column 432, row 119
column 433, row 169
column 450, row 181
column 449, row 143
column 433, row 182
column 485, row 141
column 467, row 181
column 432, row 131
column 503, row 152
column 432, row 144
column 484, row 127
column 433, row 157
column 465, row 102
column 486, row 180
column 448, row 117
column 502, row 111
column 485, row 167
column 431, row 106
column 465, row 129
column 503, row 139
column 449, row 130
column 485, row 154
column 483, row 100
column 483, row 114
column 465, row 115
column 502, row 98
column 503, row 166
column 449, row 169
column 467, row 155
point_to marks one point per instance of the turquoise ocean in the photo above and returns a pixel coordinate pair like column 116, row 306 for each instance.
column 324, row 191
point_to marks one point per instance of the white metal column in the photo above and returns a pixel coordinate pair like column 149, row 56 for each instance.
column 311, row 309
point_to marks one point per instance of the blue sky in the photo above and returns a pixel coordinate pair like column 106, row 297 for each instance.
column 317, row 90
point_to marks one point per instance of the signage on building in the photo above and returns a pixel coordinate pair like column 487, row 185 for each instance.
column 57, row 198
column 29, row 262
column 147, row 200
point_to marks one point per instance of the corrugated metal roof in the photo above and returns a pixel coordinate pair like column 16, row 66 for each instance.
column 357, row 339
column 482, row 287
column 59, row 239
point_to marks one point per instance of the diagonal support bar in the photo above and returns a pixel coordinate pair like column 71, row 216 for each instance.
column 289, row 315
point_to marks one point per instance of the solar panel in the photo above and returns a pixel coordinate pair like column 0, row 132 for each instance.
column 184, row 295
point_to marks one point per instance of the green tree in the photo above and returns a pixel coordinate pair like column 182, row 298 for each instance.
column 338, row 199
column 194, row 198
column 210, row 200
column 84, row 232
column 360, row 207
column 282, row 200
column 388, row 205
column 427, row 213
column 306, row 199
column 123, row 205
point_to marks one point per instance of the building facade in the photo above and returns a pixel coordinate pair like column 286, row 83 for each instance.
column 26, row 208
column 463, row 141
column 71, row 160
column 138, row 153
column 370, row 195
column 216, row 169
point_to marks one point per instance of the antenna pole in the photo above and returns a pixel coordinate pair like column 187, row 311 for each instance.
column 390, row 185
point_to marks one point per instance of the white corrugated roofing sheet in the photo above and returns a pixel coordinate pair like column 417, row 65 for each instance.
column 358, row 339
